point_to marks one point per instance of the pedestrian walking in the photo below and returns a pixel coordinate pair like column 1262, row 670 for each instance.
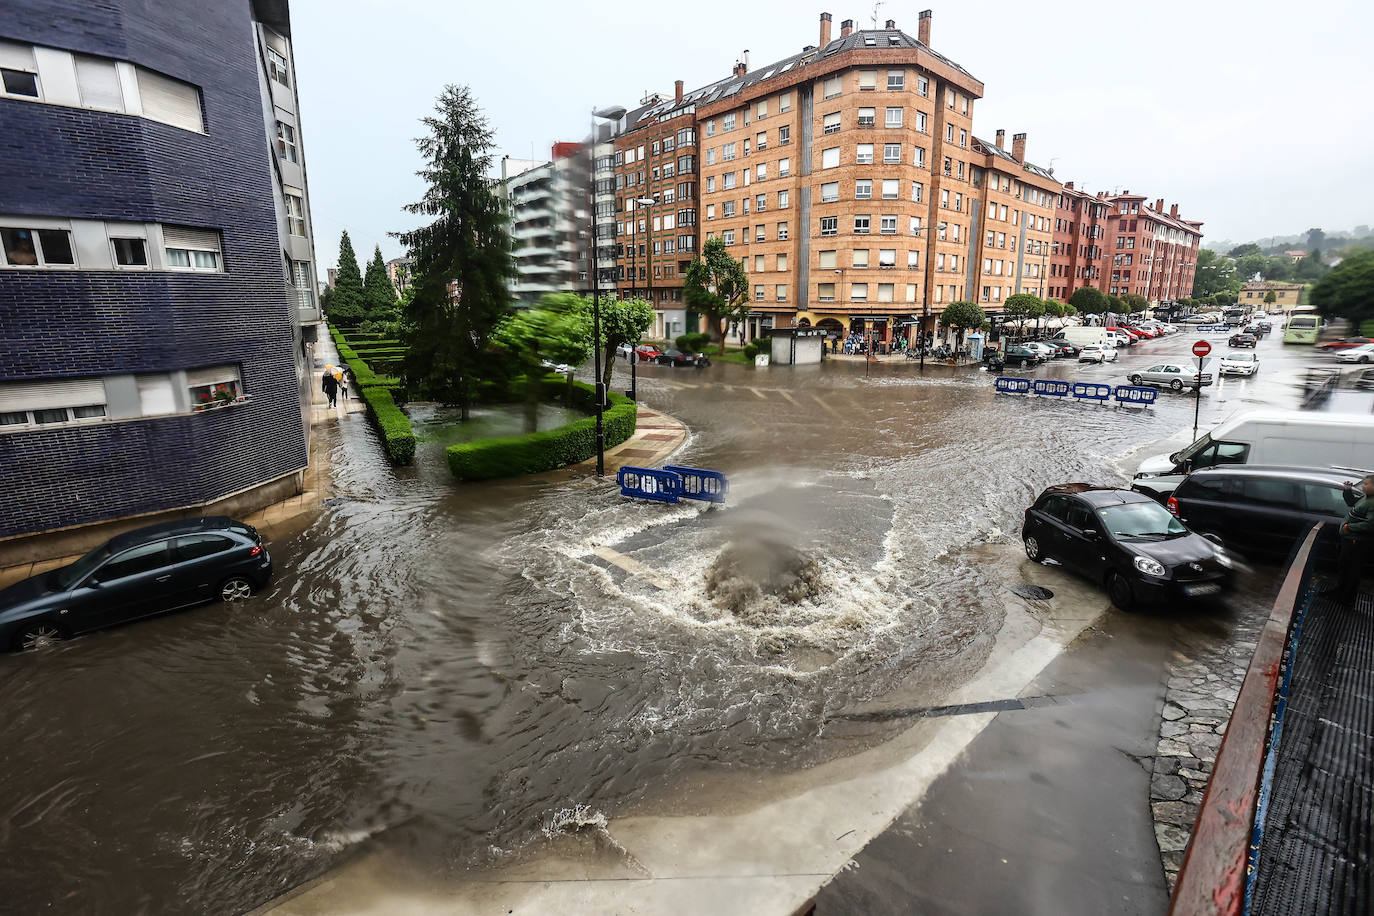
column 342, row 378
column 1357, row 539
column 330, row 386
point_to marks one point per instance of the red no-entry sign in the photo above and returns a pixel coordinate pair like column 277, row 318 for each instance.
column 1201, row 348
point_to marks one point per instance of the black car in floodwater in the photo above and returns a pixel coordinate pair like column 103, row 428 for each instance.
column 136, row 574
column 1127, row 542
column 678, row 358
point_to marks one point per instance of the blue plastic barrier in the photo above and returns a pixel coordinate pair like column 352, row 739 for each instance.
column 1051, row 387
column 1092, row 391
column 1010, row 385
column 707, row 486
column 649, row 483
column 1130, row 394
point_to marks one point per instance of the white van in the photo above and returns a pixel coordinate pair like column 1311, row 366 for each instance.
column 1085, row 337
column 1119, row 339
column 1274, row 437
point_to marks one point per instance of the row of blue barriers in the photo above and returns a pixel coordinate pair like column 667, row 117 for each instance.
column 1082, row 391
column 672, row 483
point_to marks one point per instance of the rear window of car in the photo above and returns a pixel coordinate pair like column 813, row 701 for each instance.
column 195, row 546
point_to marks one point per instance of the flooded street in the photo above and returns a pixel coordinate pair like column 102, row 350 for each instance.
column 455, row 671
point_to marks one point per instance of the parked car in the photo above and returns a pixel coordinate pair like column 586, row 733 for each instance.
column 1242, row 340
column 1127, row 542
column 1024, row 356
column 1046, row 351
column 1175, row 376
column 1119, row 338
column 1097, row 354
column 1065, row 347
column 1262, row 510
column 678, row 358
column 1362, row 354
column 560, row 368
column 1345, row 343
column 1260, row 328
column 136, row 574
column 645, row 352
column 1246, row 364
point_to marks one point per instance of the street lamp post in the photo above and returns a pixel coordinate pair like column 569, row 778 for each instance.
column 614, row 113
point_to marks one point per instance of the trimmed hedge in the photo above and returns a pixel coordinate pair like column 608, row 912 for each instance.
column 398, row 437
column 507, row 456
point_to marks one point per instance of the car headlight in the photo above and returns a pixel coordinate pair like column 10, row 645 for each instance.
column 1143, row 476
column 1148, row 566
column 1221, row 557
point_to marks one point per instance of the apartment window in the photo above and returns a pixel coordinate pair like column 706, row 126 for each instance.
column 940, row 262
column 728, row 236
column 832, row 87
column 830, row 225
column 863, row 154
column 784, row 168
column 859, row 258
column 686, row 163
column 98, row 80
column 892, row 153
column 780, row 292
column 863, row 189
column 276, row 67
column 728, row 209
column 963, row 138
column 711, row 128
column 923, row 86
column 286, row 142
column 918, row 156
column 894, row 118
column 727, row 123
column 728, row 181
column 944, row 198
column 191, row 249
column 949, row 98
column 861, row 224
column 710, row 211
column 911, row 292
column 53, row 402
column 761, row 141
column 758, row 292
column 888, row 226
column 885, row 291
column 827, row 260
column 913, row 259
column 727, row 152
column 868, row 80
column 746, row 146
column 170, row 101
column 867, row 117
column 830, row 192
column 896, row 80
column 830, row 158
column 887, row 257
column 949, row 133
column 760, row 203
column 761, row 171
column 915, row 225
column 954, row 262
column 295, row 214
column 963, row 104
column 782, row 232
column 213, row 386
column 920, row 118
column 831, row 123
column 918, row 191
column 711, row 156
column 18, row 73
column 782, row 261
column 858, row 292
column 784, row 200
column 130, row 252
column 36, row 247
column 784, row 135
column 1001, row 240
column 959, row 202
column 785, row 102
column 891, row 188
column 825, row 292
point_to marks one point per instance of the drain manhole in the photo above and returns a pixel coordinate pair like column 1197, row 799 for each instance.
column 1032, row 592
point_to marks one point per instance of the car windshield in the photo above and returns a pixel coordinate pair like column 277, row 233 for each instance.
column 70, row 575
column 1241, row 357
column 1146, row 521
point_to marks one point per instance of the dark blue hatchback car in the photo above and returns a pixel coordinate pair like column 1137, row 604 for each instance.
column 136, row 574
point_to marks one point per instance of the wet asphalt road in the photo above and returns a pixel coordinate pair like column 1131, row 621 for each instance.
column 446, row 670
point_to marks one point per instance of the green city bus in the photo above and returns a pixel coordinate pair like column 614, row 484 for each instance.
column 1303, row 326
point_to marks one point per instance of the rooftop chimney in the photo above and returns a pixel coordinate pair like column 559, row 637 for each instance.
column 1159, row 205
column 923, row 28
column 1018, row 147
column 846, row 27
column 741, row 68
column 1069, row 185
column 1001, row 137
column 677, row 90
column 1173, row 210
column 825, row 29
column 891, row 24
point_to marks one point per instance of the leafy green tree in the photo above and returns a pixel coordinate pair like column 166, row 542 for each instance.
column 622, row 321
column 1348, row 290
column 557, row 330
column 462, row 258
column 962, row 316
column 1089, row 300
column 1022, row 307
column 1135, row 302
column 347, row 304
column 1069, row 309
column 716, row 287
column 1250, row 265
column 1224, row 298
column 1310, row 267
column 1241, row 251
column 1270, row 298
column 1214, row 274
column 1114, row 305
column 1278, row 269
column 1054, row 309
column 1316, row 238
column 378, row 293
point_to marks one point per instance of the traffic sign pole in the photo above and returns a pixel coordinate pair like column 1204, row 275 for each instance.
column 1200, row 350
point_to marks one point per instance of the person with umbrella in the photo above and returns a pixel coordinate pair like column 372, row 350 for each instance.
column 330, row 385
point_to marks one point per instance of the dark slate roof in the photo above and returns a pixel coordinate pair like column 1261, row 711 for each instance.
column 1000, row 153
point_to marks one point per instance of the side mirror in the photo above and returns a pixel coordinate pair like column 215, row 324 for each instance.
column 1212, row 537
column 1090, row 533
column 91, row 582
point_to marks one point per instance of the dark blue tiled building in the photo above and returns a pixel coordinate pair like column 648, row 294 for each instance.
column 150, row 289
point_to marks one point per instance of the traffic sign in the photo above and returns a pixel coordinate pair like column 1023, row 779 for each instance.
column 1201, row 348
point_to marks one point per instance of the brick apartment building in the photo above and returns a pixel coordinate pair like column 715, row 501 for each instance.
column 1154, row 254
column 1077, row 253
column 1013, row 242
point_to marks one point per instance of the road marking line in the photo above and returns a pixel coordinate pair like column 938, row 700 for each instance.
column 824, row 406
column 762, row 396
column 789, row 397
column 635, row 568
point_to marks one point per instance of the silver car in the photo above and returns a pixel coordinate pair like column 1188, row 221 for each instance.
column 1238, row 364
column 1171, row 374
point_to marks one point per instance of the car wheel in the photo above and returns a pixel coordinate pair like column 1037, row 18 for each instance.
column 1136, row 380
column 1033, row 549
column 235, row 588
column 39, row 634
column 1119, row 590
column 1363, row 360
column 1176, row 384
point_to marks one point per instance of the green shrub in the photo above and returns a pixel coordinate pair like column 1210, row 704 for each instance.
column 751, row 350
column 532, row 453
column 398, row 437
column 695, row 342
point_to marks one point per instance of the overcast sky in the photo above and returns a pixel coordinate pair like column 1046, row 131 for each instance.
column 1254, row 118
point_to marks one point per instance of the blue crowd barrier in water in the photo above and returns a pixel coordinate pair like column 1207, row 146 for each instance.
column 1092, row 391
column 650, row 483
column 1011, row 385
column 1130, row 394
column 707, row 486
column 1051, row 387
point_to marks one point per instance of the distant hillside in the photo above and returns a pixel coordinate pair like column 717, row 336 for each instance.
column 1312, row 238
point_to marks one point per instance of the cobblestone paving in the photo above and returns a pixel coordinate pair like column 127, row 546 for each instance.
column 1204, row 678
